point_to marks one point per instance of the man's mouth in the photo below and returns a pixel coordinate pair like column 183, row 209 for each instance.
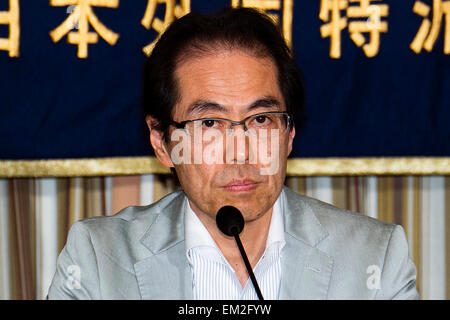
column 241, row 185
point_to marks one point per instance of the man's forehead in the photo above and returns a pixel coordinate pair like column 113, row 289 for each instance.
column 235, row 65
column 228, row 82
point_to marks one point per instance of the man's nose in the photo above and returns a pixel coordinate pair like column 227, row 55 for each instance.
column 237, row 146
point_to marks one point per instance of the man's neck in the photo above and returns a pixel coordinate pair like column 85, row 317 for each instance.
column 253, row 238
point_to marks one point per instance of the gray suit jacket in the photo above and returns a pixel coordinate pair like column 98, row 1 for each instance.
column 139, row 253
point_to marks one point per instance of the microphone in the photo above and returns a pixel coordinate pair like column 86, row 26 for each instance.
column 230, row 221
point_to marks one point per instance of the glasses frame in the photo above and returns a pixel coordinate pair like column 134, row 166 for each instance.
column 182, row 124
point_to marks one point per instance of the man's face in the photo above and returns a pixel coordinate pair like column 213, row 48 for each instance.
column 228, row 84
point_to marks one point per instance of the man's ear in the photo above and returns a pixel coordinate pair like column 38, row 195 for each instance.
column 158, row 143
column 291, row 139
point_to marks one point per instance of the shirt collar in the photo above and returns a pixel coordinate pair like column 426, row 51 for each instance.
column 196, row 234
column 276, row 228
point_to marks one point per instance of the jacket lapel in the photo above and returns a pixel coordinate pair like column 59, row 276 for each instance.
column 306, row 270
column 165, row 273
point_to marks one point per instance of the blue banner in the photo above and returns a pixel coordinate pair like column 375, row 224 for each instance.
column 377, row 74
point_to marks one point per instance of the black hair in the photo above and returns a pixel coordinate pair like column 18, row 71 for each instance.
column 198, row 33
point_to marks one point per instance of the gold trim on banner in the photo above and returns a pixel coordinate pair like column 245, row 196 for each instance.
column 296, row 167
column 81, row 167
column 369, row 166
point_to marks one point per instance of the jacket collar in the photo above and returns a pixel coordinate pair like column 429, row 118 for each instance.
column 165, row 273
column 300, row 219
column 167, row 229
column 306, row 270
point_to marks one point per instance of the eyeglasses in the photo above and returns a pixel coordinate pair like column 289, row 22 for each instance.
column 253, row 123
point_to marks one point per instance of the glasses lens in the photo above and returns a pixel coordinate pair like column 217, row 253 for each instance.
column 214, row 128
column 210, row 129
column 203, row 125
column 267, row 121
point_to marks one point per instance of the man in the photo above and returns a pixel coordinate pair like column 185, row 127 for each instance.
column 218, row 89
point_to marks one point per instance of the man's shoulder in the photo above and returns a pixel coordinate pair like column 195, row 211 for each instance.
column 336, row 220
column 350, row 238
column 131, row 221
column 354, row 244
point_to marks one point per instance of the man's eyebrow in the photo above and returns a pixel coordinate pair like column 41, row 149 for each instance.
column 265, row 102
column 201, row 106
column 205, row 105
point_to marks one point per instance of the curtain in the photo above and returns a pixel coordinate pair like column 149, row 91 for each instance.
column 36, row 214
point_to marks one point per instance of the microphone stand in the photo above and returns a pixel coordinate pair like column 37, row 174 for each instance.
column 247, row 263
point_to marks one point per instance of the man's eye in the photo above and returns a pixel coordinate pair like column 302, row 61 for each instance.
column 262, row 120
column 209, row 123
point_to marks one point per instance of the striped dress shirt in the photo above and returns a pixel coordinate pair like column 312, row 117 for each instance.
column 212, row 276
